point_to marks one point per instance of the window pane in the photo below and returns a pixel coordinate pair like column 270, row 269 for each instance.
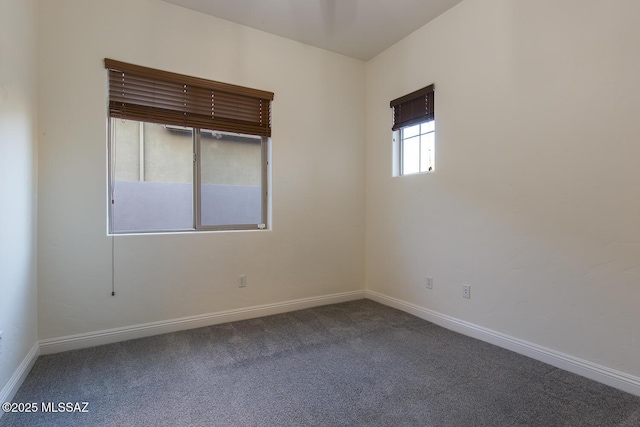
column 428, row 126
column 427, row 152
column 411, row 155
column 153, row 177
column 231, row 179
column 410, row 131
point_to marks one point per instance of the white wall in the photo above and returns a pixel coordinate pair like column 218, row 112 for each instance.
column 535, row 199
column 18, row 148
column 316, row 246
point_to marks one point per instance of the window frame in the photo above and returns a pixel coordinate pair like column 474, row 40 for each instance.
column 148, row 95
column 196, row 183
column 400, row 135
column 197, row 188
column 414, row 109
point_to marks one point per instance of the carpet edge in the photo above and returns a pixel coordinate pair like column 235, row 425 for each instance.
column 109, row 336
column 20, row 374
column 602, row 374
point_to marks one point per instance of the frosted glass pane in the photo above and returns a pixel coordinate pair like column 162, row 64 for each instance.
column 411, row 156
column 231, row 175
column 427, row 152
column 411, row 131
column 428, row 127
column 153, row 180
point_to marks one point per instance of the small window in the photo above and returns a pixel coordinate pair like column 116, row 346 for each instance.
column 414, row 132
column 417, row 145
column 185, row 154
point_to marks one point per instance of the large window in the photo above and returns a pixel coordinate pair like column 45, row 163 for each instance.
column 184, row 153
column 414, row 132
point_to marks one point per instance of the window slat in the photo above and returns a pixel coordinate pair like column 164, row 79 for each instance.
column 416, row 107
column 145, row 94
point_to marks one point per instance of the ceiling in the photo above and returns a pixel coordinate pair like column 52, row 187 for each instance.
column 357, row 28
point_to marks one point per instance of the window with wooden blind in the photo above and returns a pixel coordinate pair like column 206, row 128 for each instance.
column 414, row 132
column 185, row 153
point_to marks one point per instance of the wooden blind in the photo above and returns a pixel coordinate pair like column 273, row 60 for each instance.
column 146, row 94
column 416, row 107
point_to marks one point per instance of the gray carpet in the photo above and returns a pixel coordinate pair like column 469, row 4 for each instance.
column 353, row 364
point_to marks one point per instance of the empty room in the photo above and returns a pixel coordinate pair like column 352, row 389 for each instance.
column 319, row 212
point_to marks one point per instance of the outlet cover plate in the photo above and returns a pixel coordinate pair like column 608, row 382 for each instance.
column 466, row 291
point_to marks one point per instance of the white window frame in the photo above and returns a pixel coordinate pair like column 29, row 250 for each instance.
column 401, row 145
column 197, row 187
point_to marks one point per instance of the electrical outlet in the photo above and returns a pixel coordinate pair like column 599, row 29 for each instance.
column 243, row 281
column 429, row 282
column 466, row 291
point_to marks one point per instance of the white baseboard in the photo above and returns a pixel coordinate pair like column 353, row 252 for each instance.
column 602, row 374
column 92, row 339
column 16, row 380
